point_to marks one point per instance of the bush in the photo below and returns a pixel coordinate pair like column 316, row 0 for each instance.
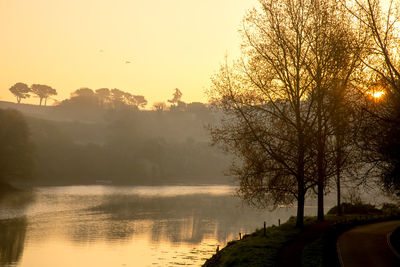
column 390, row 209
column 358, row 208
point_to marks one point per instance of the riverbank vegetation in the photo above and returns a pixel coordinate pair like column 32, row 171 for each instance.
column 313, row 245
column 17, row 151
column 256, row 249
column 122, row 146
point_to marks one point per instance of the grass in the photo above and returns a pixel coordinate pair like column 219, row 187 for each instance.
column 256, row 249
column 259, row 250
column 312, row 254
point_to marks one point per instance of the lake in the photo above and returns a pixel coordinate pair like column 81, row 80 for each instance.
column 125, row 226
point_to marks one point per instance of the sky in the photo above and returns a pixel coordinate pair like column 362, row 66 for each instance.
column 70, row 44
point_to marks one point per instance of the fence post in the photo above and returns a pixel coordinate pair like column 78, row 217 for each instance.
column 265, row 228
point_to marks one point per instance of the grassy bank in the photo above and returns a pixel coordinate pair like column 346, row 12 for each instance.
column 256, row 249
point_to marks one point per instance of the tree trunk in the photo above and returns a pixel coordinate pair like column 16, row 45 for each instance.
column 338, row 170
column 300, row 180
column 321, row 180
column 339, row 207
column 320, row 216
column 40, row 102
column 45, row 101
column 18, row 99
column 300, row 206
column 320, row 153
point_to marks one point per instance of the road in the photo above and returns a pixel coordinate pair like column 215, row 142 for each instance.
column 368, row 245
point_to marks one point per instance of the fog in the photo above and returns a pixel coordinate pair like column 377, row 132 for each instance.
column 78, row 143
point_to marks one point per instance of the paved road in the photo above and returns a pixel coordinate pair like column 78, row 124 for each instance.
column 367, row 245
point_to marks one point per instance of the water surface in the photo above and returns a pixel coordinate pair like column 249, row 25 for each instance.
column 126, row 226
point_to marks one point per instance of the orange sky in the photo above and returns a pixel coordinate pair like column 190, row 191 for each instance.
column 69, row 44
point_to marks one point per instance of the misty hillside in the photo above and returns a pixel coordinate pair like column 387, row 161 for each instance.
column 81, row 145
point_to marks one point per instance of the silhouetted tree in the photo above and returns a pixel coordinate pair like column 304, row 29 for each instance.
column 381, row 126
column 335, row 47
column 16, row 148
column 159, row 106
column 176, row 97
column 83, row 92
column 20, row 90
column 117, row 97
column 137, row 101
column 43, row 92
column 276, row 99
column 81, row 99
column 104, row 96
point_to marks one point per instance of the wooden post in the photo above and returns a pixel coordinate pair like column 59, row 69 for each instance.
column 240, row 236
column 279, row 222
column 265, row 228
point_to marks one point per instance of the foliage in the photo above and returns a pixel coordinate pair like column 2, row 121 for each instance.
column 279, row 98
column 127, row 147
column 312, row 254
column 381, row 72
column 103, row 98
column 356, row 208
column 390, row 209
column 255, row 249
column 16, row 147
column 176, row 97
column 43, row 92
column 20, row 90
column 159, row 106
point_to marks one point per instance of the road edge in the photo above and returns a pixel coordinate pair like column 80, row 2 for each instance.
column 388, row 235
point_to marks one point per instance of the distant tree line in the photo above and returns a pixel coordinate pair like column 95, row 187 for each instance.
column 22, row 91
column 103, row 98
column 128, row 147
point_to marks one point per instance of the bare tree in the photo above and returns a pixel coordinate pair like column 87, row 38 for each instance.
column 276, row 99
column 335, row 45
column 268, row 114
column 20, row 90
column 381, row 130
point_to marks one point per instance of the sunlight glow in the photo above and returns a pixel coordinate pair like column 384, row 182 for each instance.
column 376, row 94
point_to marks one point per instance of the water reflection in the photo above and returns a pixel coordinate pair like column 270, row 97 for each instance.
column 12, row 240
column 140, row 226
column 188, row 218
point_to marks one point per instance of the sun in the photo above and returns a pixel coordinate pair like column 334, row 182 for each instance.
column 376, row 94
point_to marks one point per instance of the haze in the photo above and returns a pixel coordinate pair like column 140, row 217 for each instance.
column 74, row 44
